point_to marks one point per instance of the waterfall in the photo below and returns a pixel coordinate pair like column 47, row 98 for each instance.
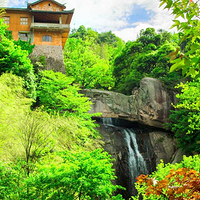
column 137, row 164
column 107, row 121
column 131, row 149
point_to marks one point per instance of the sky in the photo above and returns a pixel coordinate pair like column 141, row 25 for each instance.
column 125, row 18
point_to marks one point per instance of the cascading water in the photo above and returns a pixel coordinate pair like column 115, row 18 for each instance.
column 137, row 165
column 129, row 151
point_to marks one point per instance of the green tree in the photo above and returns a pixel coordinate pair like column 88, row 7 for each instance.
column 145, row 57
column 29, row 135
column 89, row 57
column 25, row 45
column 13, row 106
column 11, row 177
column 14, row 59
column 57, row 94
column 188, row 59
column 83, row 175
column 35, row 133
column 87, row 68
column 149, row 36
column 184, row 121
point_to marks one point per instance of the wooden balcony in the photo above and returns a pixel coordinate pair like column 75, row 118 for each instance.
column 50, row 26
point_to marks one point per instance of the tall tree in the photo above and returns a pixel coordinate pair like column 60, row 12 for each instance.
column 187, row 57
column 144, row 57
column 184, row 121
column 89, row 57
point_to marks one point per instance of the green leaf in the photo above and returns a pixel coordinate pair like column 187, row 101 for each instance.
column 178, row 63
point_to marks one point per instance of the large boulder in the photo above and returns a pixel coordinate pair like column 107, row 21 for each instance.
column 150, row 104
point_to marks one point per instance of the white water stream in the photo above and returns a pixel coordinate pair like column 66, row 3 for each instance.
column 137, row 164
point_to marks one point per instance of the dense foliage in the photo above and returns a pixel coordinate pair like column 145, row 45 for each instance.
column 84, row 175
column 102, row 61
column 145, row 57
column 14, row 59
column 184, row 121
column 32, row 131
column 188, row 59
column 65, row 175
column 172, row 181
column 88, row 57
column 181, row 181
column 28, row 136
column 57, row 94
column 49, row 147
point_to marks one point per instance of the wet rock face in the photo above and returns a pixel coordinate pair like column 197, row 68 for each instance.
column 150, row 103
column 116, row 144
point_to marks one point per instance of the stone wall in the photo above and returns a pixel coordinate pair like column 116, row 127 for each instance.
column 53, row 55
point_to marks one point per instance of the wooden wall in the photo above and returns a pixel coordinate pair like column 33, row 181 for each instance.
column 15, row 25
column 56, row 38
column 36, row 35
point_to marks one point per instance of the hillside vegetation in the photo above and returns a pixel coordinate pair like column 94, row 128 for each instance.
column 104, row 61
column 49, row 146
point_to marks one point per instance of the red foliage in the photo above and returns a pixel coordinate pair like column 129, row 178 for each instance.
column 182, row 181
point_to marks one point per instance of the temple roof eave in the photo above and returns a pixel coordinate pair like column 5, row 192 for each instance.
column 40, row 11
column 53, row 12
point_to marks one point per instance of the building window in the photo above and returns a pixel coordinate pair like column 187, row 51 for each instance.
column 24, row 36
column 24, row 20
column 49, row 4
column 6, row 20
column 47, row 38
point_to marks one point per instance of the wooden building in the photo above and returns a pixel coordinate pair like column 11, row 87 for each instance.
column 44, row 22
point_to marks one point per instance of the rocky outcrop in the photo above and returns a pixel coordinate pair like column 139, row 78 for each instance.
column 163, row 146
column 150, row 104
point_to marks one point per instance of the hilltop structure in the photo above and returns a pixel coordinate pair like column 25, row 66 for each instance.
column 46, row 24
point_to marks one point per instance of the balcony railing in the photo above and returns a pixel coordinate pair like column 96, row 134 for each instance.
column 50, row 26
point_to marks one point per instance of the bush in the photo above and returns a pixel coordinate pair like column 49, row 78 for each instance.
column 172, row 181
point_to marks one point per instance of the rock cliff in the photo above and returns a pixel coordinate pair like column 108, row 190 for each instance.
column 150, row 103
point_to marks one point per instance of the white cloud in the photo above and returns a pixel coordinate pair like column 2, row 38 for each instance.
column 102, row 15
column 3, row 3
column 131, row 33
column 14, row 3
column 105, row 15
column 162, row 19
